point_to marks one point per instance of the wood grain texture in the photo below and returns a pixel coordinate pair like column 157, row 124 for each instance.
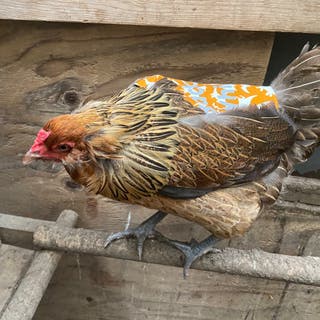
column 47, row 69
column 101, row 288
column 33, row 284
column 107, row 291
column 14, row 262
column 296, row 303
column 21, row 223
column 256, row 15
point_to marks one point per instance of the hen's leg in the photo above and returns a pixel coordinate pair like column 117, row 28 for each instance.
column 194, row 250
column 142, row 232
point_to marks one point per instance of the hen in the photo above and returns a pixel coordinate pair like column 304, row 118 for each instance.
column 170, row 145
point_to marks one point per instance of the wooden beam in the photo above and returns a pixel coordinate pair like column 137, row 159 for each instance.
column 256, row 263
column 258, row 15
column 22, row 223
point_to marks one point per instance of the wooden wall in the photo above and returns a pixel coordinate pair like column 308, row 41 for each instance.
column 48, row 69
column 256, row 15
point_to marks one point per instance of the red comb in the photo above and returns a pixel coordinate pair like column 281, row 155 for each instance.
column 40, row 139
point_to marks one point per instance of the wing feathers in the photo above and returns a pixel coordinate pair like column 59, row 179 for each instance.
column 229, row 148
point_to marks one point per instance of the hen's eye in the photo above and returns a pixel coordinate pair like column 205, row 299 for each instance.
column 64, row 147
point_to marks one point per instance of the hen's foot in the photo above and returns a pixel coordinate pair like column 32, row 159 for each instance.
column 142, row 232
column 194, row 250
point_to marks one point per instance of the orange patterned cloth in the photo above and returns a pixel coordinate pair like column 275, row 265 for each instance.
column 217, row 97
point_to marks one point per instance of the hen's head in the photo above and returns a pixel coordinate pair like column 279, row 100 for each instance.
column 57, row 139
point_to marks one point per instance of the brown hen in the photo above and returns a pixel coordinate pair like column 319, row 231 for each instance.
column 170, row 145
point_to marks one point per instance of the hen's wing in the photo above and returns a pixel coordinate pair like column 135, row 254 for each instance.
column 222, row 150
column 238, row 136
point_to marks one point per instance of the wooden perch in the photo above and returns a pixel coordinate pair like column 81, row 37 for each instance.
column 33, row 285
column 256, row 263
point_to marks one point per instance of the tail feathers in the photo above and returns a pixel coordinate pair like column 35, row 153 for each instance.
column 298, row 92
column 300, row 71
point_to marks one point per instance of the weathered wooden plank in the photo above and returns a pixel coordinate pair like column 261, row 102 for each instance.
column 34, row 282
column 259, row 15
column 14, row 262
column 302, row 189
column 299, row 302
column 100, row 288
column 21, row 223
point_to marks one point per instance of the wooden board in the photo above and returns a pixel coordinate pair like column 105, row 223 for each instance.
column 100, row 288
column 256, row 15
column 42, row 65
column 299, row 302
column 14, row 262
column 106, row 290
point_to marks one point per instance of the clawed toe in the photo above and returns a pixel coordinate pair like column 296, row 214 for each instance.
column 134, row 232
column 194, row 250
column 141, row 233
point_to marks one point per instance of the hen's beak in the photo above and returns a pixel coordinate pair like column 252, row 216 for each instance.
column 30, row 156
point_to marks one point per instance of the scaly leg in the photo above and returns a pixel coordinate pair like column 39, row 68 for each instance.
column 194, row 250
column 145, row 229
